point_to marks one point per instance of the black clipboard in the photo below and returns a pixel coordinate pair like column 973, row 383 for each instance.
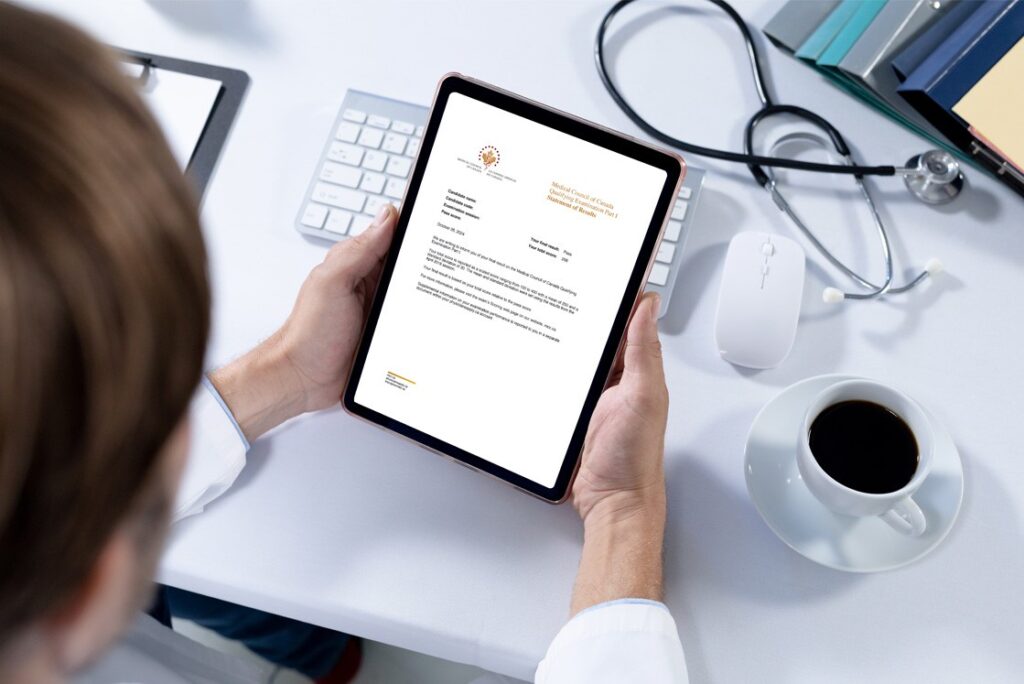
column 234, row 84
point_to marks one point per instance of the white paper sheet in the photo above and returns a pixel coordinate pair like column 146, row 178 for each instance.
column 182, row 103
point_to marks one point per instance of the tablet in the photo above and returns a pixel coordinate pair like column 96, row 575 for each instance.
column 523, row 243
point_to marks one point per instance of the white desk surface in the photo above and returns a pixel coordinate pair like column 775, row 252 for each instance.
column 340, row 524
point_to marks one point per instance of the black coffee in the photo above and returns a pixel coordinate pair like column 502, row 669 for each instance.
column 864, row 446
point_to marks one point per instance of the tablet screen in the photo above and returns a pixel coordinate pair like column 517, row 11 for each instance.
column 514, row 263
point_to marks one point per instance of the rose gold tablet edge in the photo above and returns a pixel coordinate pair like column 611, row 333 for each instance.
column 650, row 264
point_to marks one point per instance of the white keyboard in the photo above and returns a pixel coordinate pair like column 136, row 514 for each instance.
column 367, row 162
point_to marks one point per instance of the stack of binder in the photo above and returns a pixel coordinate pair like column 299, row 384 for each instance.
column 952, row 71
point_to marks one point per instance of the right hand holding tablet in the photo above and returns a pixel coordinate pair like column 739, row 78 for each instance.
column 620, row 488
column 621, row 470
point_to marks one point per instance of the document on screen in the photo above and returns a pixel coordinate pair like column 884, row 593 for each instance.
column 514, row 263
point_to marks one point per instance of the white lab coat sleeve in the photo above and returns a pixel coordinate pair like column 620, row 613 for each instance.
column 217, row 452
column 628, row 640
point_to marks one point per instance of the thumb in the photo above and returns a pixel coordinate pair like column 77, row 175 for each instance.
column 357, row 257
column 642, row 358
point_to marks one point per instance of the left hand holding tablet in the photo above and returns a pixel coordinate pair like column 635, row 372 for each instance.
column 305, row 364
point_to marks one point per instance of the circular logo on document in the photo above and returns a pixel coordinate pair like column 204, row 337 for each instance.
column 489, row 156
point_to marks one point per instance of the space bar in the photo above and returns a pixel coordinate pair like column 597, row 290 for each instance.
column 338, row 197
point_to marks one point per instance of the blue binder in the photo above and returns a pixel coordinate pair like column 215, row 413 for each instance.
column 958, row 42
column 945, row 76
column 1002, row 35
column 911, row 56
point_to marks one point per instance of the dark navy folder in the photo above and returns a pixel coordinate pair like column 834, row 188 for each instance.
column 935, row 91
column 914, row 53
column 960, row 62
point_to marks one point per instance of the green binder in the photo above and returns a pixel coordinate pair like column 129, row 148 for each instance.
column 814, row 46
column 863, row 14
column 826, row 48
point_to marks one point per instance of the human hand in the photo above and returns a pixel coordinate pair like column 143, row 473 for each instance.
column 621, row 472
column 305, row 364
column 619, row 491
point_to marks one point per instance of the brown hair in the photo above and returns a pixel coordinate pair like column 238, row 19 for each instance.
column 104, row 307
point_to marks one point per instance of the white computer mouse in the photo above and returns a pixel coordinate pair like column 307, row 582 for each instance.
column 759, row 300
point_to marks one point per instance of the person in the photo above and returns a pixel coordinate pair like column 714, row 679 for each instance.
column 104, row 316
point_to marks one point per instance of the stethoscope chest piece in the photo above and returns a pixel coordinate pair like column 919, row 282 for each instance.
column 934, row 177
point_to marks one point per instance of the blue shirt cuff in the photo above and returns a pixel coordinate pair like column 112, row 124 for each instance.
column 625, row 601
column 220, row 400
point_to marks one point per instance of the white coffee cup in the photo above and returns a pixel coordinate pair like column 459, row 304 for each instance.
column 896, row 508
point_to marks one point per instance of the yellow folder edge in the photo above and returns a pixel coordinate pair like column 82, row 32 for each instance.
column 994, row 106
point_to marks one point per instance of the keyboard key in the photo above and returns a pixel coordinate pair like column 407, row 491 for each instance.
column 374, row 204
column 373, row 182
column 394, row 188
column 399, row 166
column 665, row 253
column 339, row 174
column 679, row 211
column 370, row 137
column 347, row 132
column 337, row 196
column 314, row 215
column 684, row 193
column 672, row 231
column 378, row 121
column 659, row 274
column 419, row 132
column 354, row 115
column 394, row 143
column 345, row 153
column 413, row 147
column 375, row 161
column 403, row 127
column 337, row 221
column 360, row 223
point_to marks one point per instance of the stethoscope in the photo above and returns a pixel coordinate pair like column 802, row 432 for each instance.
column 934, row 177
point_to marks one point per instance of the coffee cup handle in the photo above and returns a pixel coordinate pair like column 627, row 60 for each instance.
column 906, row 517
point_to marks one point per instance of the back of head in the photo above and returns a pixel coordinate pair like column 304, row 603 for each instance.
column 104, row 309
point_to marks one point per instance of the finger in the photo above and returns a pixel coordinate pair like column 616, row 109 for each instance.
column 368, row 286
column 615, row 374
column 614, row 377
column 356, row 258
column 642, row 357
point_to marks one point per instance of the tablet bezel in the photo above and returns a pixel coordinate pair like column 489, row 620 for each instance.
column 675, row 169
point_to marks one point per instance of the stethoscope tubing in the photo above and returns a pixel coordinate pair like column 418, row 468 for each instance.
column 764, row 96
column 756, row 163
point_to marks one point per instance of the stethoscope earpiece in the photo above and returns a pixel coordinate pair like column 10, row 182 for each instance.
column 942, row 167
column 832, row 295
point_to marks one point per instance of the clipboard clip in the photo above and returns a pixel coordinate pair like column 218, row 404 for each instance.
column 145, row 62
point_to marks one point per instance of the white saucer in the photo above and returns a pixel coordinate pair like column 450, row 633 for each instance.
column 838, row 541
